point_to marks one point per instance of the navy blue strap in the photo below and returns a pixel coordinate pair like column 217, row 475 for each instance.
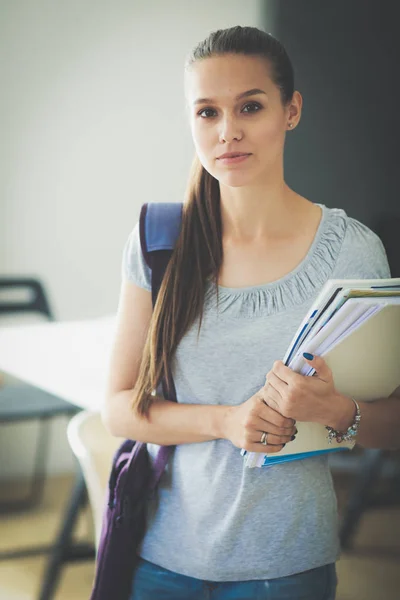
column 159, row 230
column 160, row 225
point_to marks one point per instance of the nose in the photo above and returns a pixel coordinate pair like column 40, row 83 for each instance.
column 229, row 130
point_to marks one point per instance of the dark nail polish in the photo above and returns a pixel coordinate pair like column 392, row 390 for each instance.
column 308, row 356
column 292, row 438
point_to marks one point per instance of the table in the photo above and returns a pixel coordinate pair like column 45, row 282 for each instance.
column 70, row 360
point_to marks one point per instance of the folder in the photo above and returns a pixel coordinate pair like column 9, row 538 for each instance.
column 360, row 343
column 333, row 294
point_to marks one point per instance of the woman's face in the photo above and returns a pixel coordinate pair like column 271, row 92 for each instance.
column 235, row 107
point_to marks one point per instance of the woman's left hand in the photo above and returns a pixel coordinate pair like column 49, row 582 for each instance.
column 304, row 398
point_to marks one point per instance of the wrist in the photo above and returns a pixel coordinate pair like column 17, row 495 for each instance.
column 343, row 413
column 221, row 420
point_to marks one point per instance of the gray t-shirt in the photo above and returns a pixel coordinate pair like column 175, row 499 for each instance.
column 215, row 519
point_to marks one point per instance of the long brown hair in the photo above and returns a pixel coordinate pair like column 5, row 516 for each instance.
column 198, row 254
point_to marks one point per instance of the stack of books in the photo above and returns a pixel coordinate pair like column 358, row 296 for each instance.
column 354, row 324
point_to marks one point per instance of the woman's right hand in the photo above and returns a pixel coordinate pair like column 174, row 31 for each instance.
column 245, row 424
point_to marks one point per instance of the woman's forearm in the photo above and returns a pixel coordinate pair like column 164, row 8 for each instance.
column 379, row 425
column 169, row 423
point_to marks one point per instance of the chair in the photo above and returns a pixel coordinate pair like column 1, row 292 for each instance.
column 94, row 448
column 22, row 402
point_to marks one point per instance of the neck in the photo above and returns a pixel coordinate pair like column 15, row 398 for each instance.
column 251, row 213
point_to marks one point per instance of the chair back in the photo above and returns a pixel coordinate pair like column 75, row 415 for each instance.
column 94, row 448
column 35, row 299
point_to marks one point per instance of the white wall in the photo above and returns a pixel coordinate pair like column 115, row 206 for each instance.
column 93, row 114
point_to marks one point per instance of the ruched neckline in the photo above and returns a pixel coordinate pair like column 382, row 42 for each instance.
column 294, row 288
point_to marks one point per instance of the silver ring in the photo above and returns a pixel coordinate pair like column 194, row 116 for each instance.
column 264, row 436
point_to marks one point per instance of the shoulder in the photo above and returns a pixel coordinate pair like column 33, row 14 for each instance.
column 158, row 228
column 134, row 266
column 362, row 253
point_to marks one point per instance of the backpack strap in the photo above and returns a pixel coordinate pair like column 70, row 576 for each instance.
column 160, row 225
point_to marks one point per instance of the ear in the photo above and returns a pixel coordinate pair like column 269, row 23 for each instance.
column 294, row 109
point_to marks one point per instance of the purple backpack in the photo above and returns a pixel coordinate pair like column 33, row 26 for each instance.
column 133, row 479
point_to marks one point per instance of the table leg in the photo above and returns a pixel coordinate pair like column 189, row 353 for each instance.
column 63, row 551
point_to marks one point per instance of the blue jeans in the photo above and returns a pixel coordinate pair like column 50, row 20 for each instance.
column 152, row 582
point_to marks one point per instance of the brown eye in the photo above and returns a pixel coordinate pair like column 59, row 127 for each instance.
column 205, row 113
column 252, row 106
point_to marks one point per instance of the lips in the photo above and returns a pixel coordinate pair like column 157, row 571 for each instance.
column 233, row 155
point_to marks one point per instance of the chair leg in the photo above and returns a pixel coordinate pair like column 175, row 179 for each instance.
column 360, row 495
column 39, row 476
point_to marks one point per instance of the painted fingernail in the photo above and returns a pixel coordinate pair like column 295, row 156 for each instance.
column 292, row 438
column 308, row 356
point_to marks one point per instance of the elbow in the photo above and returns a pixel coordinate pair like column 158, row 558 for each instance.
column 113, row 420
column 109, row 420
column 119, row 418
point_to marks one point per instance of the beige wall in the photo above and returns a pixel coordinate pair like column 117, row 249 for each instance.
column 93, row 114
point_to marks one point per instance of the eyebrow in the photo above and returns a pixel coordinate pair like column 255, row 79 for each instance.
column 252, row 92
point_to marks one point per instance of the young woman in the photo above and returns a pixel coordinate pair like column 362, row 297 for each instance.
column 218, row 529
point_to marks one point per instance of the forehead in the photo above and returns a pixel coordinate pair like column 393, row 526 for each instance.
column 224, row 77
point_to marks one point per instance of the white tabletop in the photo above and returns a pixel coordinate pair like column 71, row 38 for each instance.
column 69, row 359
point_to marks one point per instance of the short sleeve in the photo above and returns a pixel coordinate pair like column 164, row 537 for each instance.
column 363, row 255
column 383, row 265
column 134, row 267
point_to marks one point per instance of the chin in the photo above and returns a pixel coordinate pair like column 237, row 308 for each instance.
column 236, row 179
